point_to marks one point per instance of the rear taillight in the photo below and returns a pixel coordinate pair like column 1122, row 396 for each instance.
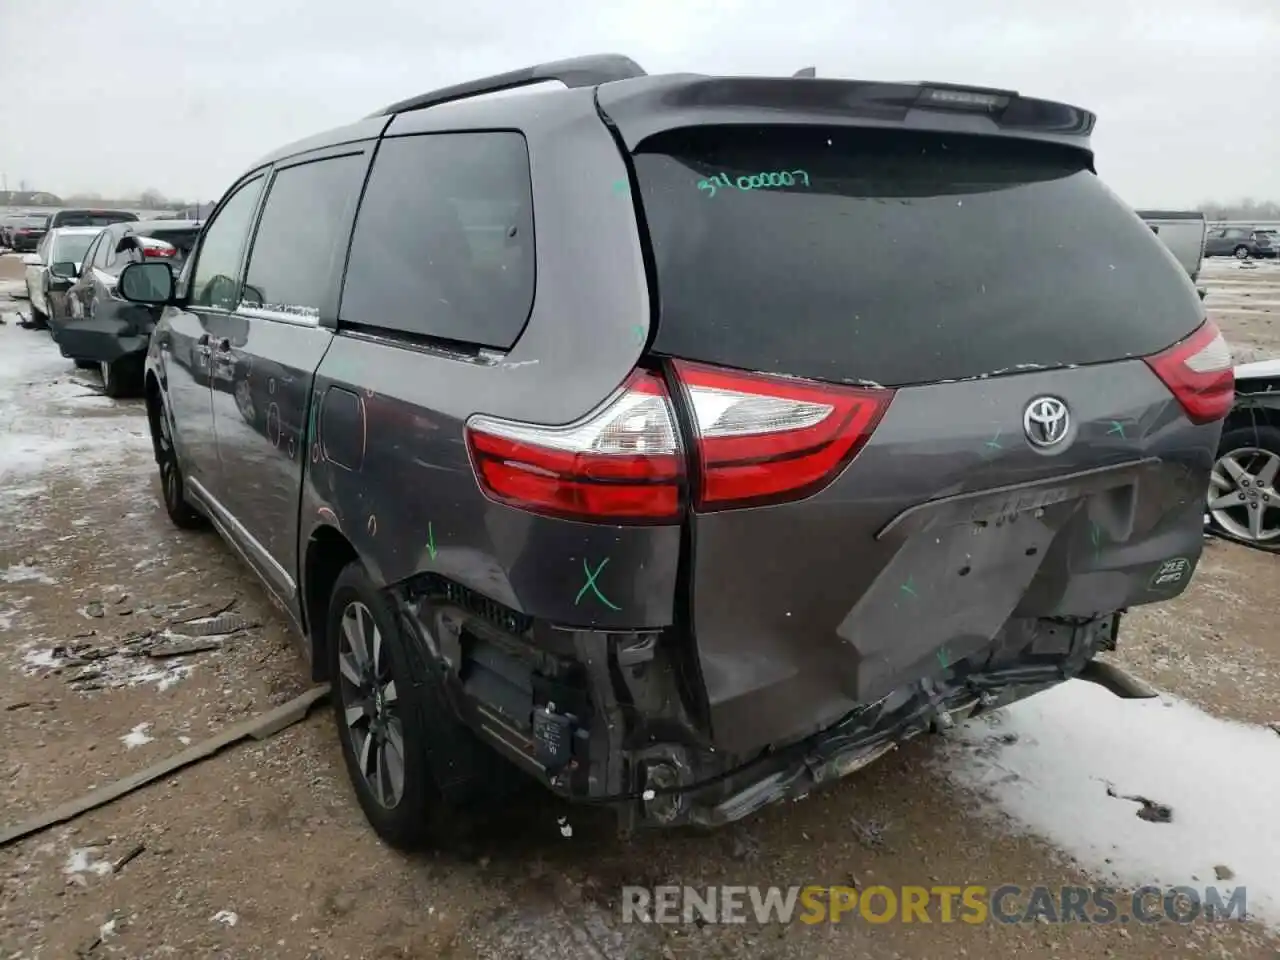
column 621, row 463
column 759, row 439
column 764, row 439
column 1199, row 373
column 152, row 250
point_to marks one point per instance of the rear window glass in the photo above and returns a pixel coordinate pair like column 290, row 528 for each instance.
column 898, row 257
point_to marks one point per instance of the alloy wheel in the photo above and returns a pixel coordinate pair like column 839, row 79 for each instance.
column 168, row 460
column 1242, row 494
column 370, row 706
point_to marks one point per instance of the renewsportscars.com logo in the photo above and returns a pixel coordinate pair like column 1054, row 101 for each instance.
column 970, row 904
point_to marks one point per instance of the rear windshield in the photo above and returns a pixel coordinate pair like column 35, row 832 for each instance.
column 898, row 257
column 95, row 218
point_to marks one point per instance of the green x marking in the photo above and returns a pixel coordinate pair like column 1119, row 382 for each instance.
column 1117, row 428
column 909, row 588
column 591, row 584
column 619, row 186
column 994, row 442
column 431, row 540
column 944, row 658
column 1095, row 537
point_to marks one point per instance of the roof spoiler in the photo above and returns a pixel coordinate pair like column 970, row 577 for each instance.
column 575, row 72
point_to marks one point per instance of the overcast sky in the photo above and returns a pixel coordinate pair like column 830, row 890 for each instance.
column 115, row 97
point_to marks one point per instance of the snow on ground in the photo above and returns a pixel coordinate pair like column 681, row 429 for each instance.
column 1048, row 761
column 40, row 393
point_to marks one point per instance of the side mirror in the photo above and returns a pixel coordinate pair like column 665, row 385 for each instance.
column 64, row 270
column 31, row 260
column 150, row 283
column 127, row 242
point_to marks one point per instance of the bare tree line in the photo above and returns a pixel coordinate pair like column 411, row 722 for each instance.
column 1246, row 209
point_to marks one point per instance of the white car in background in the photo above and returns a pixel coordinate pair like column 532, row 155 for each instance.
column 62, row 245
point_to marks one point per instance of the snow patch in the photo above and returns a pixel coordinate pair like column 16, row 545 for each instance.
column 37, row 391
column 137, row 737
column 23, row 573
column 82, row 860
column 1048, row 762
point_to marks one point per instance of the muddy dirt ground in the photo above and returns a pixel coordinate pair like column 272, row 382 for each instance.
column 262, row 852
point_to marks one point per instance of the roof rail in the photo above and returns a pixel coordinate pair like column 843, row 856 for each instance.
column 574, row 72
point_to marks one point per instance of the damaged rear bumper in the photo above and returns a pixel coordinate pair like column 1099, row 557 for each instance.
column 604, row 718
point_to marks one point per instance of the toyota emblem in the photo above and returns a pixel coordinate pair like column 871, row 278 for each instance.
column 1046, row 421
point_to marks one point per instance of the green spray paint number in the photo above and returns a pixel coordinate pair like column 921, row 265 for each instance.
column 756, row 181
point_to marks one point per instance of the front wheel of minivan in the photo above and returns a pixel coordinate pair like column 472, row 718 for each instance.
column 1241, row 252
column 172, row 485
column 398, row 735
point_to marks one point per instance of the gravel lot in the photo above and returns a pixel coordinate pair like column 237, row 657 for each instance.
column 262, row 851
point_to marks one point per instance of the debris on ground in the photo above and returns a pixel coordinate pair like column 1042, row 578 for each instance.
column 1148, row 810
column 132, row 853
column 869, row 833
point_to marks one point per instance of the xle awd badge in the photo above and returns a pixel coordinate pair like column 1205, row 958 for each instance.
column 1170, row 573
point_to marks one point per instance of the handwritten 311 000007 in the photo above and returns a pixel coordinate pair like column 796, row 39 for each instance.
column 756, row 181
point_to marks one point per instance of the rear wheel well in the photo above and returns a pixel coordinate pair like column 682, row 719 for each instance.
column 328, row 553
column 1250, row 416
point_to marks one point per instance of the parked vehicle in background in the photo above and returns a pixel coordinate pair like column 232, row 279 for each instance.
column 1183, row 232
column 61, row 245
column 736, row 516
column 23, row 234
column 169, row 240
column 1239, row 242
column 92, row 306
column 1244, row 488
column 84, row 217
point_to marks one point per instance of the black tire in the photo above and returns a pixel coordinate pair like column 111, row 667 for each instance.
column 444, row 765
column 1241, row 252
column 121, row 378
column 172, row 487
column 86, row 364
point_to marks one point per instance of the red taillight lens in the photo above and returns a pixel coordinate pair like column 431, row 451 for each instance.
column 763, row 439
column 620, row 463
column 760, row 439
column 1199, row 373
column 158, row 250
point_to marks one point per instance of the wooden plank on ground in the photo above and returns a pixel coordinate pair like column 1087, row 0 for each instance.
column 261, row 727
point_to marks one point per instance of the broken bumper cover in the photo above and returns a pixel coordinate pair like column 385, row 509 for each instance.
column 927, row 705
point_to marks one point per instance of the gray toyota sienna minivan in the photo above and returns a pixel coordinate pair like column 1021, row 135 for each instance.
column 681, row 441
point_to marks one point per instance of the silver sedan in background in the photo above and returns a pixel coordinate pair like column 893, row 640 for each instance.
column 61, row 245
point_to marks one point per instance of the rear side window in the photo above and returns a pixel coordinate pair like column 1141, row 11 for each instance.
column 302, row 236
column 898, row 257
column 443, row 244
